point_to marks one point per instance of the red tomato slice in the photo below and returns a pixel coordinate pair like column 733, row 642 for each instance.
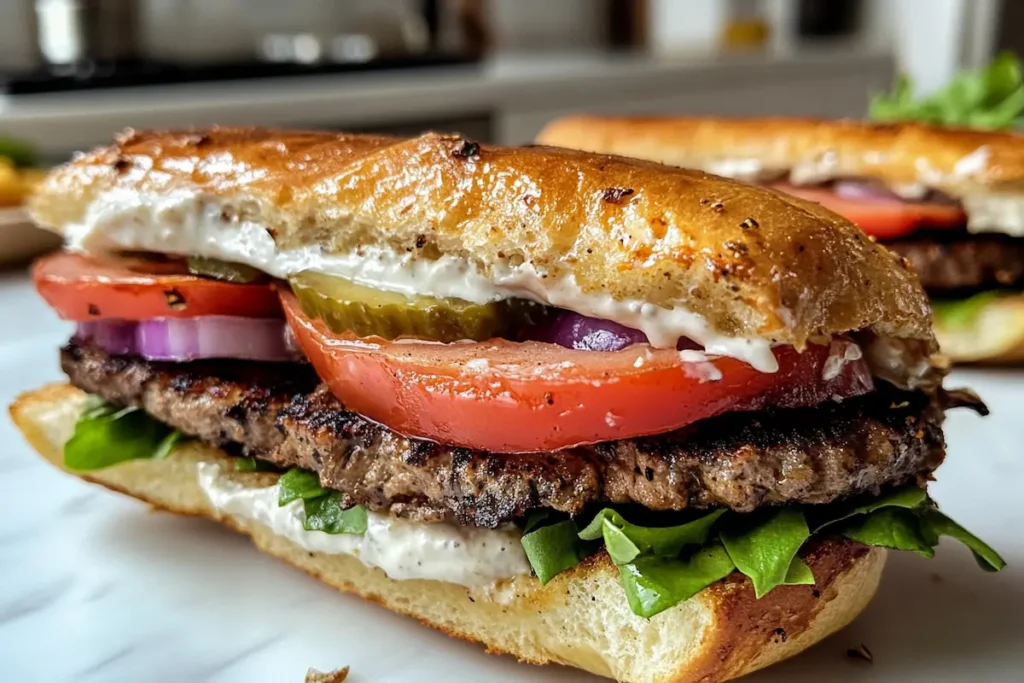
column 882, row 218
column 82, row 288
column 511, row 397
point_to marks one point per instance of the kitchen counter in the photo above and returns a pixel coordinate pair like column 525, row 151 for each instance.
column 97, row 588
column 519, row 92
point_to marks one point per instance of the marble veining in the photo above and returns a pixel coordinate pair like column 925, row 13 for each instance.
column 96, row 588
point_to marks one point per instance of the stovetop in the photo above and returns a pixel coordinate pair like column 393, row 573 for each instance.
column 125, row 74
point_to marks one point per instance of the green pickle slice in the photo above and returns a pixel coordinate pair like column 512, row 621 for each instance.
column 239, row 273
column 367, row 312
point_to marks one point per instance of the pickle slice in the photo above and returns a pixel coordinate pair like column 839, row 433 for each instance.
column 368, row 312
column 239, row 273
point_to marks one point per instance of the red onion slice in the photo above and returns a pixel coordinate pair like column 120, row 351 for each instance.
column 583, row 333
column 580, row 332
column 865, row 192
column 868, row 191
column 185, row 339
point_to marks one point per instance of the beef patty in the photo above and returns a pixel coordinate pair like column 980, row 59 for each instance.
column 282, row 413
column 960, row 262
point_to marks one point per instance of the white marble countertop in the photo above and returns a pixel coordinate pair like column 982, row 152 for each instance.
column 93, row 587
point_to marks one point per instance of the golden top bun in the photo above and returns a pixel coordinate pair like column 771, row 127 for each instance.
column 581, row 618
column 750, row 261
column 957, row 161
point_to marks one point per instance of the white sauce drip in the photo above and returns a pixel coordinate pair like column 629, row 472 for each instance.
column 466, row 556
column 188, row 223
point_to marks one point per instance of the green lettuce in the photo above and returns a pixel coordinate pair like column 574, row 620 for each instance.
column 252, row 464
column 764, row 546
column 990, row 98
column 554, row 548
column 661, row 566
column 296, row 484
column 325, row 513
column 893, row 528
column 323, row 507
column 105, row 435
column 20, row 153
column 936, row 524
column 631, row 540
column 962, row 313
column 654, row 584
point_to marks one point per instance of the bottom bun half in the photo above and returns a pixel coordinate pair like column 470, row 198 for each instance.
column 994, row 335
column 580, row 618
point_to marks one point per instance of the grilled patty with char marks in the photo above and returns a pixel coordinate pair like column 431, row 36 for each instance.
column 284, row 414
column 958, row 262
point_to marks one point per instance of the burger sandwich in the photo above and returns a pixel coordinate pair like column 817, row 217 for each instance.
column 949, row 200
column 643, row 421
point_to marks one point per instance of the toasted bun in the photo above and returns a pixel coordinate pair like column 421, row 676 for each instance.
column 580, row 618
column 751, row 262
column 957, row 161
column 995, row 335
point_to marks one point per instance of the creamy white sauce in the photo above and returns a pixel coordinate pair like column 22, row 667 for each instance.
column 986, row 211
column 467, row 556
column 840, row 353
column 188, row 223
column 814, row 171
column 899, row 362
column 1002, row 213
column 745, row 169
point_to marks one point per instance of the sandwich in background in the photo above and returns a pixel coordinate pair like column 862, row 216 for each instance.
column 948, row 198
column 630, row 418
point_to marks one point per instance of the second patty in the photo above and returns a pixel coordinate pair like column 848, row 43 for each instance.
column 960, row 262
column 282, row 413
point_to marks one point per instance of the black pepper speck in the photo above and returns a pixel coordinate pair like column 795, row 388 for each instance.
column 467, row 150
column 175, row 300
column 615, row 195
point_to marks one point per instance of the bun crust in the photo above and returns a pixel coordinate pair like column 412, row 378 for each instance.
column 751, row 262
column 580, row 618
column 957, row 161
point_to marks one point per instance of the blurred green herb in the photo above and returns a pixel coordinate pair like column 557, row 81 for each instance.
column 991, row 98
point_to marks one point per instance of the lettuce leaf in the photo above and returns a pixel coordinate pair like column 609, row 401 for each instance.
column 167, row 445
column 20, row 153
column 799, row 574
column 660, row 566
column 909, row 497
column 664, row 541
column 937, row 524
column 764, row 546
column 325, row 513
column 323, row 507
column 296, row 484
column 255, row 465
column 963, row 313
column 554, row 548
column 106, row 435
column 990, row 98
column 890, row 527
column 655, row 584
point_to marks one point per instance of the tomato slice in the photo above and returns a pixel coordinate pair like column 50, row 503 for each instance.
column 882, row 218
column 83, row 288
column 512, row 397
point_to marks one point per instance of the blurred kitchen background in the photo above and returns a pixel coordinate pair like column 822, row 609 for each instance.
column 74, row 71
